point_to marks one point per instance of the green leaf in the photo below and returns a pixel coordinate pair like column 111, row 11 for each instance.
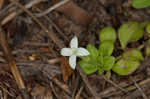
column 93, row 52
column 148, row 28
column 106, row 48
column 100, row 71
column 140, row 3
column 108, row 62
column 125, row 67
column 87, row 67
column 85, row 58
column 137, row 34
column 130, row 31
column 133, row 54
column 100, row 59
column 108, row 34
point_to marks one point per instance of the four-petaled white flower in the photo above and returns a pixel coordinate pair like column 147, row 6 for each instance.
column 73, row 52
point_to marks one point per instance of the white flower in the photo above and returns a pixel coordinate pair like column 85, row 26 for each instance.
column 73, row 52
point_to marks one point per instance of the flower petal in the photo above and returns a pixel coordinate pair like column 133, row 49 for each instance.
column 72, row 61
column 74, row 42
column 82, row 52
column 66, row 52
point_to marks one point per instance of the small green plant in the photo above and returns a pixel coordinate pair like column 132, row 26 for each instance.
column 101, row 59
column 96, row 61
column 140, row 3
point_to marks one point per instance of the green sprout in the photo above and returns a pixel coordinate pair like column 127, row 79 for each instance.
column 96, row 61
column 100, row 59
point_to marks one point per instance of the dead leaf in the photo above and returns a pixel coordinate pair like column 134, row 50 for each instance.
column 73, row 11
column 66, row 70
column 64, row 24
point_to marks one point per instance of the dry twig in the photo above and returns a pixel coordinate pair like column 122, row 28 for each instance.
column 61, row 85
column 5, row 90
column 54, row 25
column 114, row 84
column 111, row 91
column 79, row 93
column 86, row 81
column 52, row 8
column 75, row 84
column 1, row 3
column 54, row 61
column 143, row 94
column 54, row 91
